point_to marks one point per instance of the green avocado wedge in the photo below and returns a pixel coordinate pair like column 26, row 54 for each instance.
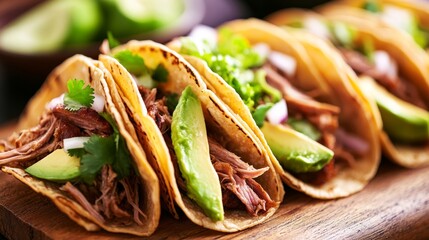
column 295, row 151
column 402, row 121
column 189, row 137
column 57, row 166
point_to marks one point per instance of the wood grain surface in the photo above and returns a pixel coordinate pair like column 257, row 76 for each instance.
column 395, row 205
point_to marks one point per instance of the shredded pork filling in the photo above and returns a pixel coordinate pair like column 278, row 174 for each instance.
column 108, row 199
column 239, row 189
column 396, row 85
column 323, row 116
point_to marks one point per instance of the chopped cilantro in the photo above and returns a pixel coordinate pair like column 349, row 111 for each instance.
column 372, row 6
column 99, row 151
column 76, row 152
column 160, row 74
column 172, row 101
column 304, row 127
column 113, row 42
column 132, row 62
column 260, row 113
column 78, row 96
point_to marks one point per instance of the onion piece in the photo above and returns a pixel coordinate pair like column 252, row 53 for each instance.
column 352, row 142
column 398, row 17
column 203, row 33
column 54, row 102
column 283, row 62
column 385, row 64
column 317, row 27
column 98, row 104
column 262, row 49
column 74, row 142
column 278, row 112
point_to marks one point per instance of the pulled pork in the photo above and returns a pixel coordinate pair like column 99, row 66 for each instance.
column 323, row 116
column 108, row 198
column 396, row 85
column 236, row 177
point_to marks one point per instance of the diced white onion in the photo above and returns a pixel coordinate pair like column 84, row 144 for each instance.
column 352, row 142
column 74, row 142
column 98, row 104
column 54, row 102
column 385, row 64
column 316, row 27
column 398, row 17
column 278, row 112
column 204, row 33
column 262, row 49
column 283, row 62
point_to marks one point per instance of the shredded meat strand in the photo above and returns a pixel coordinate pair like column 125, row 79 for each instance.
column 86, row 118
column 80, row 198
column 237, row 176
column 248, row 192
column 396, row 85
column 111, row 201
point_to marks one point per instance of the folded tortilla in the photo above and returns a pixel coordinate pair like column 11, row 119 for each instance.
column 335, row 91
column 221, row 123
column 412, row 62
column 95, row 75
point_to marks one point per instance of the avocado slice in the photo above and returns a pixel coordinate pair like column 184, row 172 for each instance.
column 402, row 121
column 51, row 25
column 57, row 166
column 295, row 151
column 189, row 136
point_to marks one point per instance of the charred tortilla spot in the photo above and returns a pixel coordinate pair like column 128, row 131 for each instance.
column 90, row 75
column 164, row 53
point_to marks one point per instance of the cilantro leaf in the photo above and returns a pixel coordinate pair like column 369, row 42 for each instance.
column 77, row 152
column 132, row 62
column 122, row 164
column 304, row 127
column 160, row 74
column 372, row 6
column 113, row 42
column 260, row 113
column 100, row 151
column 78, row 95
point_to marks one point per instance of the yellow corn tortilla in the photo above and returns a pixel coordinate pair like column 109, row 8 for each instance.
column 335, row 91
column 412, row 62
column 94, row 74
column 218, row 119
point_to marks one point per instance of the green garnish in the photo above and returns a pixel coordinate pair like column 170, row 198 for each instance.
column 233, row 59
column 372, row 6
column 172, row 101
column 78, row 95
column 304, row 127
column 160, row 74
column 99, row 151
column 260, row 113
column 368, row 48
column 145, row 76
column 113, row 42
column 132, row 62
column 343, row 34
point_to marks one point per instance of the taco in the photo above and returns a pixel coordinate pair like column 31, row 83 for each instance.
column 74, row 149
column 211, row 167
column 410, row 17
column 400, row 74
column 266, row 77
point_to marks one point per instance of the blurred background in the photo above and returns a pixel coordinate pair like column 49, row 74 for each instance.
column 63, row 28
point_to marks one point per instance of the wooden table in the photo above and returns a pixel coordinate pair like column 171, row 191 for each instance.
column 395, row 205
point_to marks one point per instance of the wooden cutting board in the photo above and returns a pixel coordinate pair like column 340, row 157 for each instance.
column 395, row 205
